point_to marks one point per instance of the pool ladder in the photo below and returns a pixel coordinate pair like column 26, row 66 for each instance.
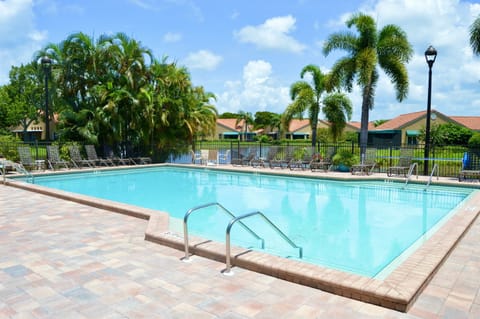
column 233, row 221
column 415, row 166
column 434, row 169
column 410, row 172
column 22, row 170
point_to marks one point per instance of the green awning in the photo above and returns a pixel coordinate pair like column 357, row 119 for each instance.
column 413, row 132
column 383, row 132
column 230, row 133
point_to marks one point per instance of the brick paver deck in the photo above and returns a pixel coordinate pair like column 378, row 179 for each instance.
column 60, row 259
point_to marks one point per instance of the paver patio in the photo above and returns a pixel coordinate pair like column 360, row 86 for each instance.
column 60, row 259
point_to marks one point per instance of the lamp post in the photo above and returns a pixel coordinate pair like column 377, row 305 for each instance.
column 430, row 56
column 47, row 64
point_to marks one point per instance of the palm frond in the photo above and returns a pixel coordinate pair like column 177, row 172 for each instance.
column 475, row 36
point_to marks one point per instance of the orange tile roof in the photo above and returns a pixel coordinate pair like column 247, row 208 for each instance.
column 297, row 124
column 231, row 124
column 358, row 125
column 400, row 121
column 471, row 122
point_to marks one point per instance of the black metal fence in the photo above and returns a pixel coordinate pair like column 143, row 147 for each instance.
column 448, row 159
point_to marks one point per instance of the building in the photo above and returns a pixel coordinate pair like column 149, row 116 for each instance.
column 36, row 130
column 405, row 128
column 233, row 129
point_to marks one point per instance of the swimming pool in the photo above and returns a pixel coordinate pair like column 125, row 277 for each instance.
column 359, row 227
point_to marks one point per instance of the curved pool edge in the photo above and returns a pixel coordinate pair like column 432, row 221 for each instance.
column 397, row 291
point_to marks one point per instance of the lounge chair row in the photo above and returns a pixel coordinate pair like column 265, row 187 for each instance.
column 54, row 161
column 315, row 162
column 288, row 160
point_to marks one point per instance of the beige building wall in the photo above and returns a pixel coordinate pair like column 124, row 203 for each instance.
column 420, row 124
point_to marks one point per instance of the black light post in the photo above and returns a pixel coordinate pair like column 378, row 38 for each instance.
column 47, row 64
column 430, row 56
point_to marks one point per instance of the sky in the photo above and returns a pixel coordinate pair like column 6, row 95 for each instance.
column 248, row 53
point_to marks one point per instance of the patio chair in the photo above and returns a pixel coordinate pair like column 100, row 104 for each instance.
column 26, row 158
column 223, row 157
column 53, row 158
column 283, row 162
column 237, row 157
column 142, row 160
column 319, row 162
column 203, row 157
column 212, row 158
column 303, row 162
column 117, row 160
column 196, row 157
column 92, row 156
column 368, row 163
column 260, row 161
column 403, row 165
column 6, row 166
column 248, row 160
column 470, row 167
column 76, row 158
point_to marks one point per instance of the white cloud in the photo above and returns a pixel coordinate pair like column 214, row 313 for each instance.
column 203, row 59
column 172, row 37
column 259, row 91
column 142, row 4
column 19, row 38
column 273, row 34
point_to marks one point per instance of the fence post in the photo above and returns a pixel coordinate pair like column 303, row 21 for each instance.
column 36, row 150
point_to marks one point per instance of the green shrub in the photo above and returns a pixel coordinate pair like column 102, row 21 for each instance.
column 345, row 157
column 8, row 147
column 263, row 138
column 474, row 141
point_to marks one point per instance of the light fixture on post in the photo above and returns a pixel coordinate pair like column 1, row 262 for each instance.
column 47, row 65
column 430, row 56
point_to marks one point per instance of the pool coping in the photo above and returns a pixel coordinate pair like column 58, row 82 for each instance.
column 398, row 290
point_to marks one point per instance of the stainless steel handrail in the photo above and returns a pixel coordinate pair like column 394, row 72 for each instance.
column 236, row 219
column 410, row 172
column 191, row 210
column 21, row 169
column 435, row 168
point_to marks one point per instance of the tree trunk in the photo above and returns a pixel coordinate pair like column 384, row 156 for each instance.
column 364, row 121
column 314, row 129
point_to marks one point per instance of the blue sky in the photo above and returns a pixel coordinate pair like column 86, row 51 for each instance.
column 248, row 53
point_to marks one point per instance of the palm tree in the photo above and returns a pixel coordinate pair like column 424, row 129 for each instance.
column 247, row 119
column 202, row 114
column 475, row 36
column 308, row 97
column 387, row 47
column 125, row 63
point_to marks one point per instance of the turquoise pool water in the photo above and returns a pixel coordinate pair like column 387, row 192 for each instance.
column 359, row 227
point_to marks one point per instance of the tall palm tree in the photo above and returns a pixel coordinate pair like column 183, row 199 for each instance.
column 309, row 97
column 202, row 114
column 247, row 119
column 125, row 63
column 388, row 48
column 475, row 36
column 75, row 77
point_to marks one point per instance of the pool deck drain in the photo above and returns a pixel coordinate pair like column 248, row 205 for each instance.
column 397, row 291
